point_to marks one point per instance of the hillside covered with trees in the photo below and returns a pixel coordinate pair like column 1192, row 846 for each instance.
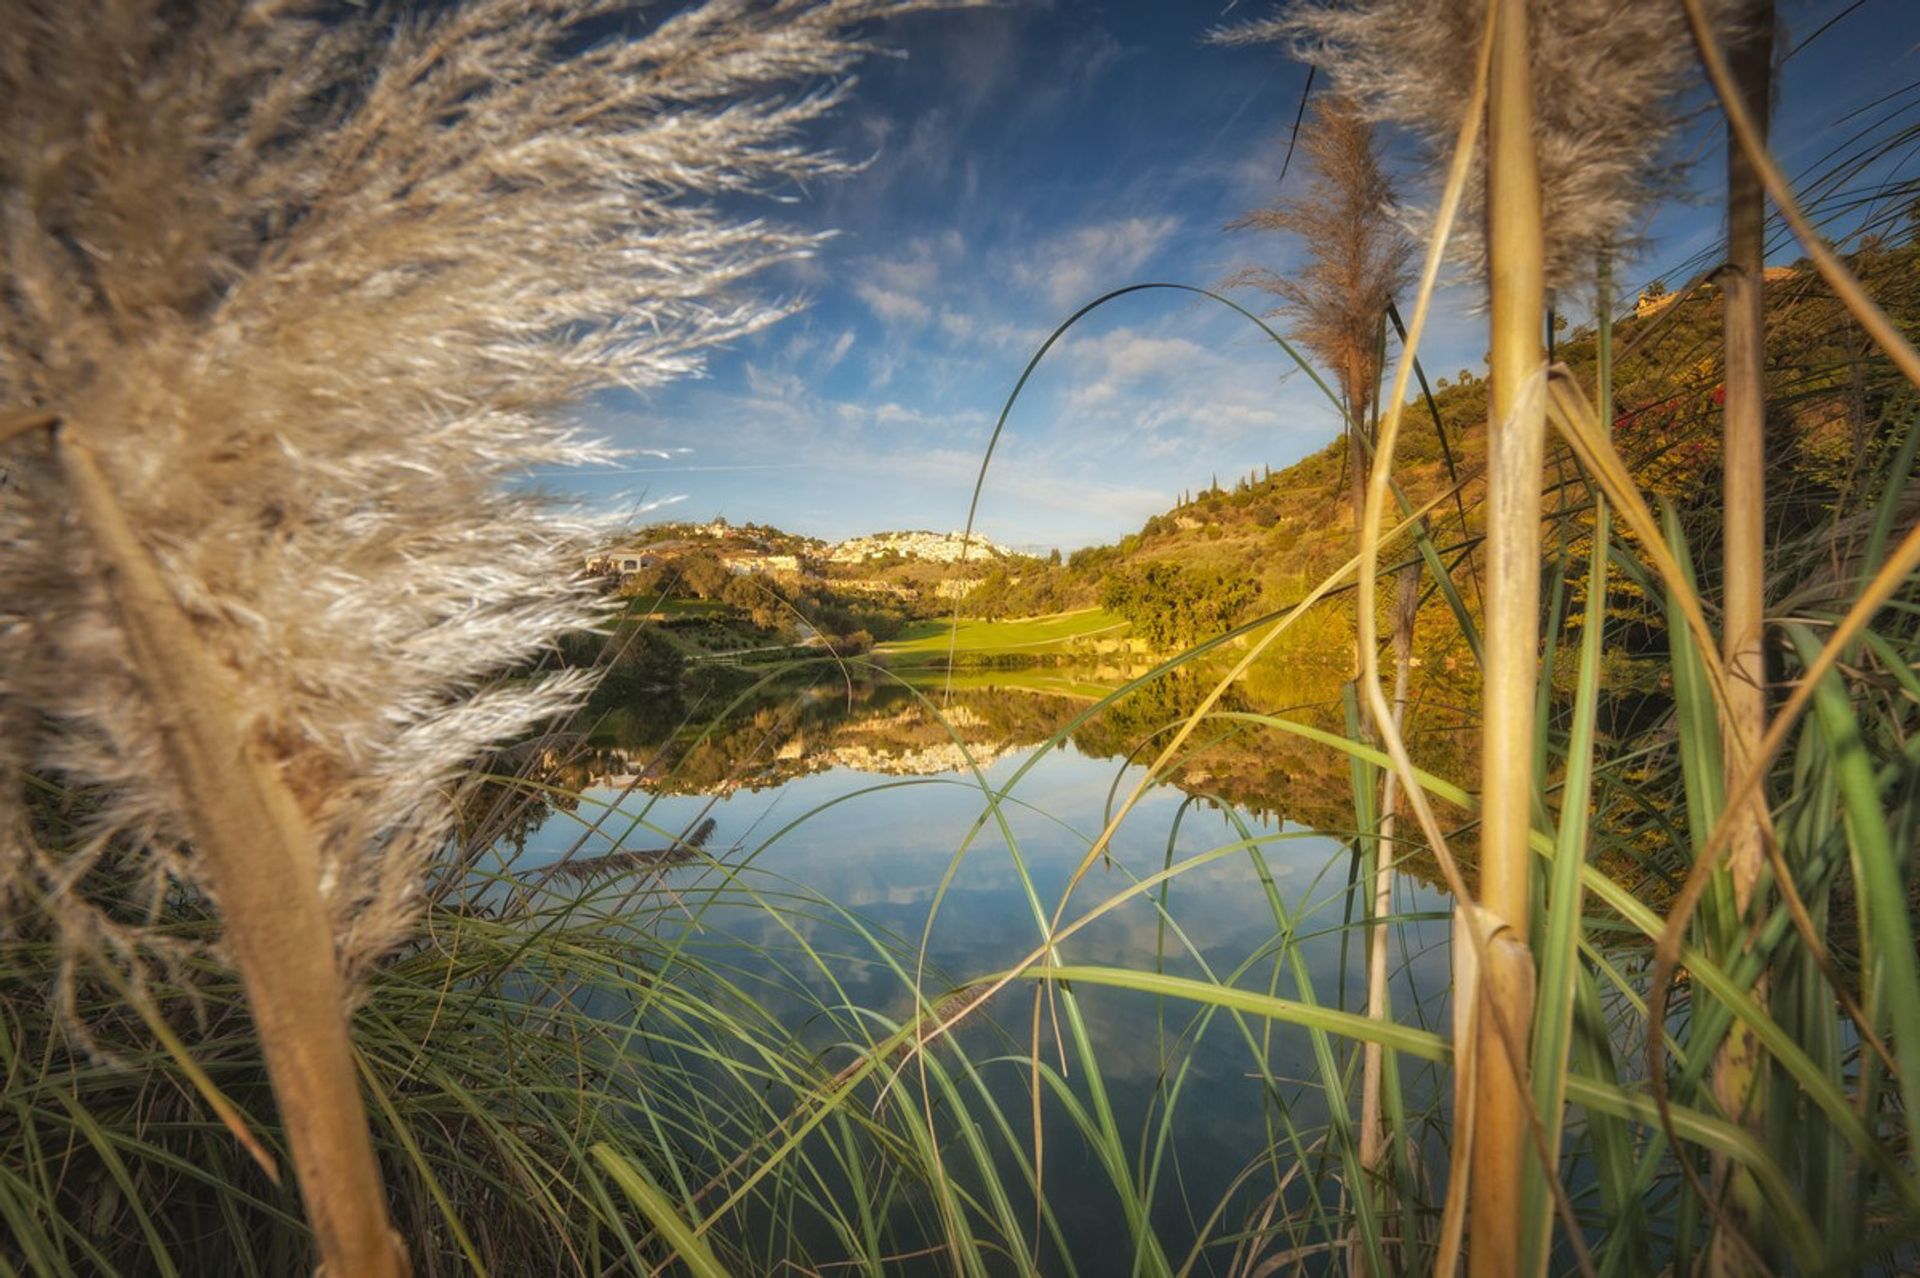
column 1231, row 551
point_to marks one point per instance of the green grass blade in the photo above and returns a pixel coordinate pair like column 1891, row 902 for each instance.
column 1559, row 953
column 1887, row 943
column 1696, row 715
column 687, row 1244
column 1389, row 1034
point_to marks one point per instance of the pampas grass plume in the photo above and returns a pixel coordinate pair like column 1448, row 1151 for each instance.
column 316, row 285
column 1357, row 256
column 1606, row 75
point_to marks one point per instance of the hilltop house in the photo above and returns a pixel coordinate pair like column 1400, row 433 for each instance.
column 1655, row 297
column 744, row 561
column 626, row 560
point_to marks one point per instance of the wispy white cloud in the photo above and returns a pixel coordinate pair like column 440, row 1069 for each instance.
column 1090, row 55
column 838, row 351
column 659, row 503
column 958, row 325
column 903, row 287
column 1069, row 267
column 782, row 386
column 916, row 269
column 603, row 472
column 891, row 305
column 892, row 414
column 1034, row 493
column 1124, row 355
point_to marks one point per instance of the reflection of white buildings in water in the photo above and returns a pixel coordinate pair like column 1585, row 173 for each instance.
column 933, row 758
column 925, row 761
column 871, row 746
column 634, row 768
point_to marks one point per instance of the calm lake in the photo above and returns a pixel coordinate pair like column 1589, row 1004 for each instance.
column 861, row 810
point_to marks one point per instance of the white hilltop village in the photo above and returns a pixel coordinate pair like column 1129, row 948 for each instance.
column 944, row 548
column 741, row 551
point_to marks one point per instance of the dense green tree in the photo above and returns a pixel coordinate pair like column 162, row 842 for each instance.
column 702, row 573
column 1174, row 606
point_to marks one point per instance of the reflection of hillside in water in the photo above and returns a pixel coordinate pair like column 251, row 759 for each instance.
column 795, row 731
column 714, row 744
column 690, row 744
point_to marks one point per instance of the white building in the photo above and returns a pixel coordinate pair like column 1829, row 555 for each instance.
column 943, row 548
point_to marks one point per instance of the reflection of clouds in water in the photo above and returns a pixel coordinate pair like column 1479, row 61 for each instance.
column 884, row 849
column 1126, row 937
column 860, row 898
column 880, row 849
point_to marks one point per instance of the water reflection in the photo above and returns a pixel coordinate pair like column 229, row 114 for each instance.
column 752, row 738
column 946, row 826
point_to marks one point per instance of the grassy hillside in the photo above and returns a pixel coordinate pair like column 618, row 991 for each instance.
column 1282, row 531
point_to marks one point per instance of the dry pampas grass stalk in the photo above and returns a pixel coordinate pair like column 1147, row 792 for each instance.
column 1516, row 429
column 1738, row 1065
column 304, row 287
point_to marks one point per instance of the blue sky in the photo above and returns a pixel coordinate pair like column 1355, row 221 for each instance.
column 1025, row 159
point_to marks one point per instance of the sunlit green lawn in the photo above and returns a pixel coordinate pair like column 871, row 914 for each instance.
column 1059, row 681
column 1029, row 635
